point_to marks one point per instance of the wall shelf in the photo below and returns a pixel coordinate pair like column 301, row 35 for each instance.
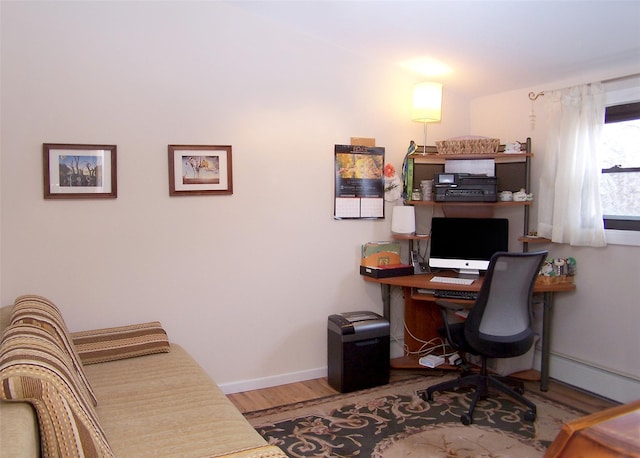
column 513, row 171
column 440, row 158
column 433, row 203
column 410, row 237
column 528, row 239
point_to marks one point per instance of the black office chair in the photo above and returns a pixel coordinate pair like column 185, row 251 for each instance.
column 498, row 326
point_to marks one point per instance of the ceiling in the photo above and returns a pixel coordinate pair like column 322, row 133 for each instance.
column 488, row 46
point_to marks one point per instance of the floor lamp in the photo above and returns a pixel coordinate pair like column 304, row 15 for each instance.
column 427, row 106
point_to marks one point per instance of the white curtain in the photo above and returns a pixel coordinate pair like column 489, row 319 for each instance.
column 569, row 208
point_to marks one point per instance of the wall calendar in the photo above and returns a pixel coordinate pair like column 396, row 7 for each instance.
column 359, row 182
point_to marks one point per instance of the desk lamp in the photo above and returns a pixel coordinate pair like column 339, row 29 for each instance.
column 427, row 106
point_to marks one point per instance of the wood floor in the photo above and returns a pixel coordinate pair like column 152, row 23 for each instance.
column 313, row 389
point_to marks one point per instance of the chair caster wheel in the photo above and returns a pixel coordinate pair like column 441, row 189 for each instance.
column 530, row 415
column 465, row 419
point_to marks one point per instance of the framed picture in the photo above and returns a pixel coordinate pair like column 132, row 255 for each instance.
column 79, row 171
column 200, row 170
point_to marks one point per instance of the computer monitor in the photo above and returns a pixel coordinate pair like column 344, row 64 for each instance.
column 467, row 244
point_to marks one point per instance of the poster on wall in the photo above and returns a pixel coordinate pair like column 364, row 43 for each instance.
column 359, row 182
column 73, row 171
column 200, row 170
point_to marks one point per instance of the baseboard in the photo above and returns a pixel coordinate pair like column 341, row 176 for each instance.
column 397, row 348
column 275, row 380
column 598, row 380
column 292, row 377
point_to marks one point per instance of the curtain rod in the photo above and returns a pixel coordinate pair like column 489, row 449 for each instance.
column 620, row 78
column 533, row 96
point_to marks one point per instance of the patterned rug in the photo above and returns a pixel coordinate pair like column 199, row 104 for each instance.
column 391, row 421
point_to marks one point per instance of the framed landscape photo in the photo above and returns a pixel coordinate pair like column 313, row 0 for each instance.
column 200, row 170
column 79, row 171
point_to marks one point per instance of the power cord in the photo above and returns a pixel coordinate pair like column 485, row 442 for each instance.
column 428, row 346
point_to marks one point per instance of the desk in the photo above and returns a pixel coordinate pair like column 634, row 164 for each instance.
column 422, row 314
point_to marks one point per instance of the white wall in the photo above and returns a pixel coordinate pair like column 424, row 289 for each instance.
column 244, row 282
column 595, row 338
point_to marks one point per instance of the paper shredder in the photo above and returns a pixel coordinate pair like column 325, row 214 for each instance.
column 358, row 351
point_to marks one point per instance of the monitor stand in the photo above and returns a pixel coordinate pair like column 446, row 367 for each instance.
column 473, row 274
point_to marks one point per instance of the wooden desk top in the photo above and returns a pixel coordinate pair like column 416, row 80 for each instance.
column 422, row 281
column 613, row 432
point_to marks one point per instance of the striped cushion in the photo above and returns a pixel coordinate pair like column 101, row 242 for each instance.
column 110, row 344
column 39, row 311
column 35, row 368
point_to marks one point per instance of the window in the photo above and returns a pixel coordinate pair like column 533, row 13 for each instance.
column 620, row 165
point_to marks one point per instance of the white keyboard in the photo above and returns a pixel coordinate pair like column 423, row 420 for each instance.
column 452, row 280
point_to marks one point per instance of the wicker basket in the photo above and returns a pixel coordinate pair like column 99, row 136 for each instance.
column 470, row 146
column 547, row 280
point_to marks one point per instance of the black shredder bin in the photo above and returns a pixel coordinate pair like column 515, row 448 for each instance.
column 358, row 351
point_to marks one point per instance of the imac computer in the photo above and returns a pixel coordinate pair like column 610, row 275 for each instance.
column 467, row 244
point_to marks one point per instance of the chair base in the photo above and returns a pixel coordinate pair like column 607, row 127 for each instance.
column 482, row 383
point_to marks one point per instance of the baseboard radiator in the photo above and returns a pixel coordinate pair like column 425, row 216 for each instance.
column 601, row 381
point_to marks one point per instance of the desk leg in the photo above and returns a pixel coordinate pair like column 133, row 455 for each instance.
column 385, row 290
column 547, row 310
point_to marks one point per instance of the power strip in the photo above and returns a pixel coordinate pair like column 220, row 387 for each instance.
column 431, row 361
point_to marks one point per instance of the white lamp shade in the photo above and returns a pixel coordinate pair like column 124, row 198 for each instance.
column 403, row 220
column 427, row 102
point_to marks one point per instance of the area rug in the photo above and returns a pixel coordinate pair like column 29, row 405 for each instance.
column 391, row 421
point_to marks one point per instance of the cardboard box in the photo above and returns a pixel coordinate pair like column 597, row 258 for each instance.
column 363, row 141
column 376, row 254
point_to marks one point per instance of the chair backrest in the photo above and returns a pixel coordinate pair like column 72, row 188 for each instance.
column 499, row 324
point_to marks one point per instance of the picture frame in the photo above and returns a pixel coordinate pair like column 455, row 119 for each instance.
column 77, row 171
column 200, row 170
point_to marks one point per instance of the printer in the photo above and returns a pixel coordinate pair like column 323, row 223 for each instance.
column 465, row 187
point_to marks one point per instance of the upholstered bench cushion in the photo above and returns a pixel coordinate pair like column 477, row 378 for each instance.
column 165, row 405
column 19, row 433
column 35, row 368
column 111, row 344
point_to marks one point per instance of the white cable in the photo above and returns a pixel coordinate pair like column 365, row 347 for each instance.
column 427, row 347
